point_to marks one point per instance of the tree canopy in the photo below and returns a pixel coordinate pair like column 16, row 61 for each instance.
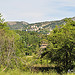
column 61, row 48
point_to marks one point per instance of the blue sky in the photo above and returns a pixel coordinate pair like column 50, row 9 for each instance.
column 36, row 10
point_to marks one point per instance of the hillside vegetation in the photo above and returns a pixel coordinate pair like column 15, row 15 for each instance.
column 41, row 27
column 36, row 52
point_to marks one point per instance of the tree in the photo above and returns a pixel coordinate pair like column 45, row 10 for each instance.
column 8, row 40
column 61, row 48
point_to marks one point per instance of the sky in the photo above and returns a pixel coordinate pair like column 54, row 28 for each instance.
column 32, row 11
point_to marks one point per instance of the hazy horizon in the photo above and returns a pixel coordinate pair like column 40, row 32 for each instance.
column 37, row 10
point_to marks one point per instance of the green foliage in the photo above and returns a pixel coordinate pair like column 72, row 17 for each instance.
column 8, row 39
column 61, row 49
column 19, row 72
column 20, row 49
column 28, row 42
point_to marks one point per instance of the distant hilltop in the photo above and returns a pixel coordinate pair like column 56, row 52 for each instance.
column 41, row 27
column 16, row 22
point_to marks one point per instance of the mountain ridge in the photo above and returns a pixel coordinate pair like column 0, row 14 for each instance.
column 41, row 27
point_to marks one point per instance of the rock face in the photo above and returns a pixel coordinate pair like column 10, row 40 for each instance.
column 11, row 23
column 73, row 18
column 16, row 22
column 16, row 25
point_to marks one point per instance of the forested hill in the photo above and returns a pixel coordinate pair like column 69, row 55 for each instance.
column 25, row 51
column 41, row 27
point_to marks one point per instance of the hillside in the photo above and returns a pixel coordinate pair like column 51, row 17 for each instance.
column 41, row 27
column 16, row 25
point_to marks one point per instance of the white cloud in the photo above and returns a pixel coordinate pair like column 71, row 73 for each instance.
column 36, row 10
